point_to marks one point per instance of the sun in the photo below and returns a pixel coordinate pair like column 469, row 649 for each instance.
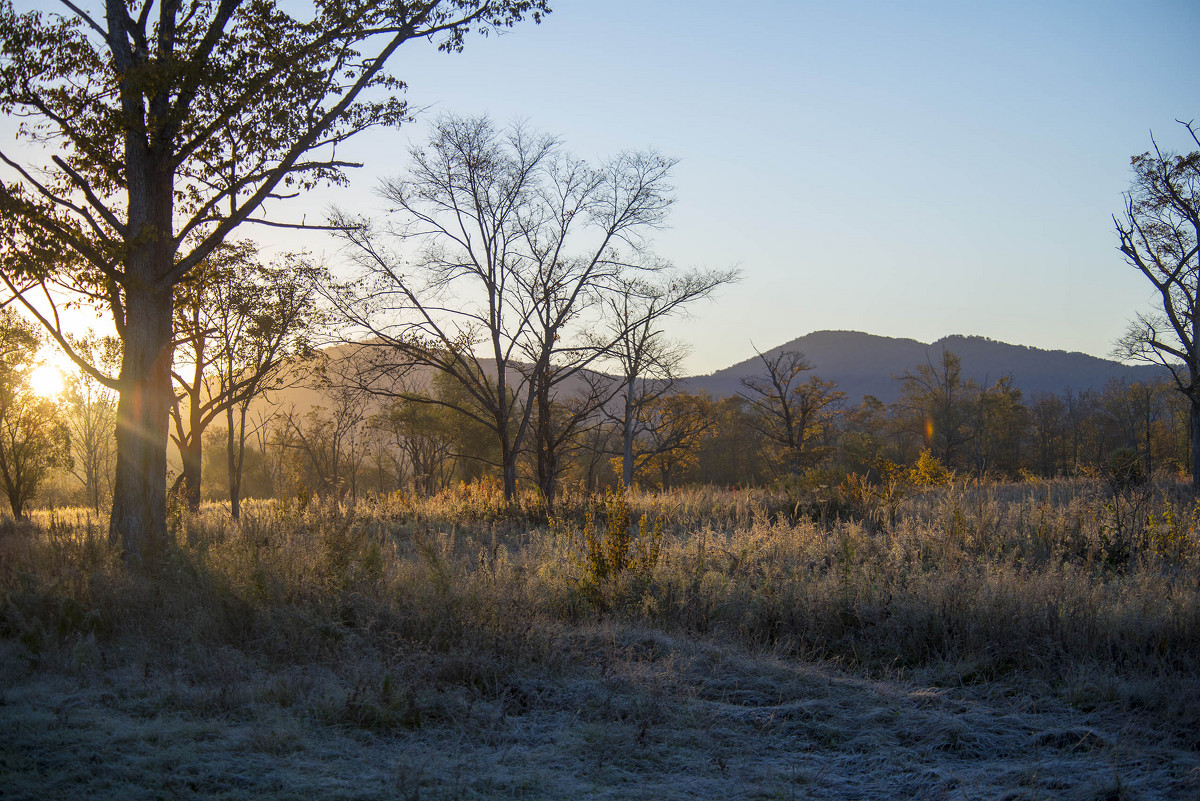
column 47, row 380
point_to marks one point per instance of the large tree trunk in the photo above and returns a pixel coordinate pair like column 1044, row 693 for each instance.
column 139, row 512
column 509, row 472
column 138, row 522
column 1195, row 441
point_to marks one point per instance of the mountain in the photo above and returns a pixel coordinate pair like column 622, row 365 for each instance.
column 864, row 364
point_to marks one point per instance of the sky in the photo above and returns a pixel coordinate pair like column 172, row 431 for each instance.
column 908, row 169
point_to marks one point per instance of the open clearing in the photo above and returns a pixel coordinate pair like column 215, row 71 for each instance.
column 626, row 714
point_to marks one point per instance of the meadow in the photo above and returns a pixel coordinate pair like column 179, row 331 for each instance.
column 1016, row 641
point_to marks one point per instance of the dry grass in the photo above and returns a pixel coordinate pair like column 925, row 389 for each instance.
column 1002, row 642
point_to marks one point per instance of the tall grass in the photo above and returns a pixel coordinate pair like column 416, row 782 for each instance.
column 1052, row 581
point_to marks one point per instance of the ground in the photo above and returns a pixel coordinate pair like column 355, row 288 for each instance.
column 625, row 713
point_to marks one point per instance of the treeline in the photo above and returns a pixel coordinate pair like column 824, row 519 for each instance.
column 786, row 425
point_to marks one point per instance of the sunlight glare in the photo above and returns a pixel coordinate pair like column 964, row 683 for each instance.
column 47, row 380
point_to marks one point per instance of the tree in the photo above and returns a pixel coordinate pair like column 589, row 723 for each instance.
column 175, row 122
column 937, row 405
column 425, row 433
column 330, row 440
column 790, row 413
column 1048, row 416
column 670, row 443
column 242, row 328
column 1001, row 422
column 1132, row 411
column 1159, row 234
column 1081, row 408
column 731, row 451
column 867, row 437
column 647, row 362
column 513, row 242
column 90, row 415
column 32, row 439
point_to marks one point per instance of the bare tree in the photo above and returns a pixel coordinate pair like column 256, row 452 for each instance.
column 647, row 362
column 512, row 242
column 1159, row 234
column 175, row 123
column 789, row 412
column 331, row 440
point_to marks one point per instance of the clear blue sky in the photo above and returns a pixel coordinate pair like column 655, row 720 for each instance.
column 909, row 169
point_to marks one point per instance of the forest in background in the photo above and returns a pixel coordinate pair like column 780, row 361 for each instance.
column 786, row 427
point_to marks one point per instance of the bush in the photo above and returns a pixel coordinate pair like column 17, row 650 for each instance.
column 619, row 546
column 1124, row 469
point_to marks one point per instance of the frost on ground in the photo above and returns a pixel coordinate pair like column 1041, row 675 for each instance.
column 624, row 714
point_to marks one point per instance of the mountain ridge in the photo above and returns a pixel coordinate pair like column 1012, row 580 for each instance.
column 866, row 364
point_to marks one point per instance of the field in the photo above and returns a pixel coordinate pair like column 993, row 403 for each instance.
column 1018, row 641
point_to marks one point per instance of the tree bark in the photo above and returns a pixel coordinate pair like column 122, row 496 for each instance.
column 510, row 475
column 192, row 456
column 138, row 521
column 1195, row 441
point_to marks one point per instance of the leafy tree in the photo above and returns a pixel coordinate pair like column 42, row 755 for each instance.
column 90, row 415
column 1000, row 427
column 1133, row 410
column 1159, row 234
column 669, row 445
column 730, row 451
column 866, row 436
column 32, row 439
column 174, row 123
column 242, row 328
column 423, row 432
column 1081, row 408
column 1048, row 417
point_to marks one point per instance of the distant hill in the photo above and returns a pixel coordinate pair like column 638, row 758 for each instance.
column 864, row 364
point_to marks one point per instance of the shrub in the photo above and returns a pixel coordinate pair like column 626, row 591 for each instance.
column 930, row 472
column 619, row 546
column 1124, row 469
